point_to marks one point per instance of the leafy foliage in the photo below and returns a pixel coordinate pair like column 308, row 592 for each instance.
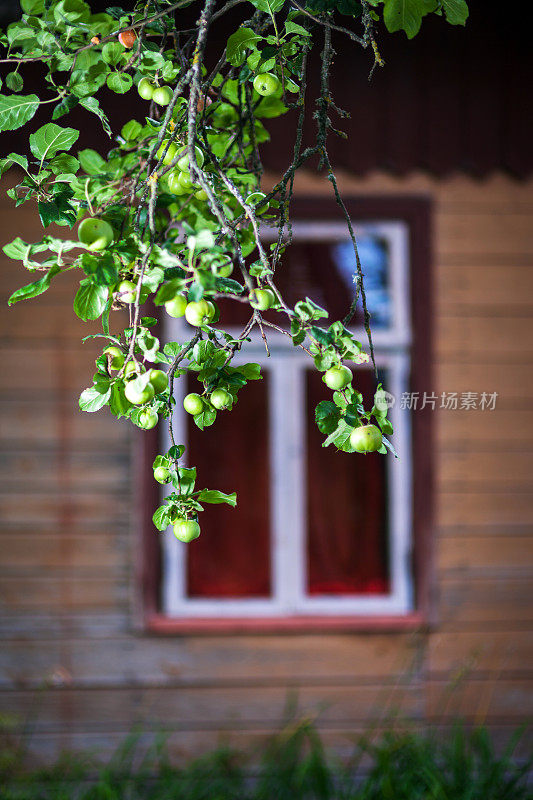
column 172, row 212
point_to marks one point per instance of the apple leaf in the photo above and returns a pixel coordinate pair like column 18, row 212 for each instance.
column 456, row 11
column 406, row 15
column 34, row 289
column 238, row 43
column 50, row 139
column 92, row 399
column 214, row 496
column 17, row 110
column 161, row 517
column 90, row 300
column 327, row 416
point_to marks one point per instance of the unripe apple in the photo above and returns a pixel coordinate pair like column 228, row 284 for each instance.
column 96, row 233
column 115, row 357
column 200, row 195
column 366, row 439
column 221, row 399
column 162, row 95
column 132, row 369
column 127, row 292
column 176, row 307
column 222, row 267
column 198, row 313
column 186, row 530
column 266, row 84
column 185, row 180
column 262, row 299
column 146, row 88
column 337, row 378
column 162, row 474
column 159, row 380
column 193, row 403
column 183, row 163
column 148, row 419
column 138, row 398
column 174, row 184
column 170, row 154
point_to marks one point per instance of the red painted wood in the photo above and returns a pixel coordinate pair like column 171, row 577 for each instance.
column 159, row 624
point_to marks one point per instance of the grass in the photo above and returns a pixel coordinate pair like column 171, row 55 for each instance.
column 293, row 766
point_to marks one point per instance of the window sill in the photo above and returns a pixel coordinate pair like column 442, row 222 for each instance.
column 162, row 625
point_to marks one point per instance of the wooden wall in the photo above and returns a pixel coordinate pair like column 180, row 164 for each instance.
column 71, row 661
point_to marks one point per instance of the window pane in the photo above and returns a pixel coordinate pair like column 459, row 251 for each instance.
column 232, row 556
column 347, row 513
column 324, row 271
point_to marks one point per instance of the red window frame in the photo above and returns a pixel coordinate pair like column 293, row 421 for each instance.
column 416, row 212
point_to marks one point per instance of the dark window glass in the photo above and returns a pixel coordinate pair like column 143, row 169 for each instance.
column 232, row 556
column 347, row 508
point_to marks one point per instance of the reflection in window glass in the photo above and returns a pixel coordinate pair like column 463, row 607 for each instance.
column 374, row 256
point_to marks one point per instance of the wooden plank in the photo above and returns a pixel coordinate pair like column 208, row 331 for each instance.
column 57, row 368
column 480, row 554
column 242, row 661
column 72, row 549
column 43, row 594
column 478, row 508
column 56, row 320
column 498, row 232
column 52, row 471
column 496, row 430
column 90, row 508
column 508, row 469
column 484, row 339
column 216, row 708
column 475, row 287
column 484, row 600
column 17, row 625
column 511, row 381
column 480, row 701
column 28, row 423
column 500, row 652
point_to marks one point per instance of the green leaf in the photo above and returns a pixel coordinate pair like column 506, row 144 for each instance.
column 92, row 105
column 406, row 15
column 92, row 399
column 118, row 403
column 268, row 6
column 92, row 162
column 187, row 479
column 50, row 139
column 327, row 416
column 90, row 300
column 161, row 517
column 238, row 43
column 32, row 7
column 214, row 496
column 112, row 53
column 63, row 163
column 293, row 27
column 17, row 110
column 58, row 210
column 14, row 81
column 456, row 11
column 13, row 158
column 67, row 104
column 119, row 82
column 131, row 130
column 36, row 288
column 252, row 372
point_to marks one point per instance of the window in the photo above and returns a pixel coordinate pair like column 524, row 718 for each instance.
column 316, row 533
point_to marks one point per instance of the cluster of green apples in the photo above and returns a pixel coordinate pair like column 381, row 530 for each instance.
column 156, row 383
column 178, row 181
column 149, row 90
column 364, row 438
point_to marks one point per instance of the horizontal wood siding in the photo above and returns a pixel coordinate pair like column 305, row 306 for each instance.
column 72, row 659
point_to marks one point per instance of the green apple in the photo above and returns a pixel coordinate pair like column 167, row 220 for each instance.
column 174, row 184
column 186, row 530
column 162, row 474
column 132, row 369
column 127, row 292
column 221, row 399
column 170, row 154
column 159, row 380
column 162, row 96
column 262, row 299
column 115, row 357
column 200, row 195
column 266, row 84
column 198, row 313
column 96, row 233
column 183, row 163
column 256, row 199
column 176, row 307
column 337, row 378
column 138, row 397
column 366, row 439
column 146, row 88
column 185, row 180
column 193, row 403
column 148, row 419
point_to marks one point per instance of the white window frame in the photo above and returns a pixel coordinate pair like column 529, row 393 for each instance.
column 287, row 450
